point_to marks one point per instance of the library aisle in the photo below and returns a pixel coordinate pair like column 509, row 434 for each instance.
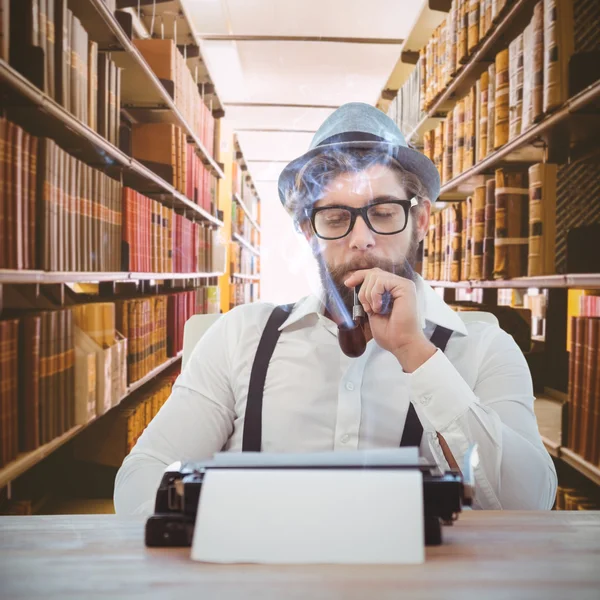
column 141, row 144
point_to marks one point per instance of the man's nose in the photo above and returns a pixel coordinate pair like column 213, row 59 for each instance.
column 361, row 237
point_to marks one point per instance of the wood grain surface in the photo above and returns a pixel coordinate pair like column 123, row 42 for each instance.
column 509, row 555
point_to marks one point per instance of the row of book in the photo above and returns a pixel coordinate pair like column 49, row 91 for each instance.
column 242, row 225
column 59, row 214
column 575, row 499
column 241, row 260
column 514, row 93
column 584, row 388
column 136, row 416
column 163, row 148
column 62, row 368
column 169, row 64
column 507, row 229
column 158, row 240
column 453, row 42
column 243, row 293
column 49, row 46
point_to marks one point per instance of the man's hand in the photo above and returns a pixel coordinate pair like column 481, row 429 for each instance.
column 399, row 331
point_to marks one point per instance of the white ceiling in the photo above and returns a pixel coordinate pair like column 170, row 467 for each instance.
column 312, row 77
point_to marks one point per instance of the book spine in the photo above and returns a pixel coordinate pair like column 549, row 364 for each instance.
column 515, row 95
column 463, row 28
column 491, row 121
column 527, row 89
column 490, row 223
column 473, row 29
column 577, row 348
column 456, row 242
column 542, row 219
column 558, row 47
column 447, row 147
column 537, row 92
column 459, row 138
column 590, row 360
column 482, row 146
column 29, row 382
column 478, row 228
column 502, row 99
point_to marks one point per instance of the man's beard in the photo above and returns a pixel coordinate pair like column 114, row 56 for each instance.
column 338, row 295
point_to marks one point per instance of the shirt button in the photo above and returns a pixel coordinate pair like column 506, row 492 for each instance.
column 350, row 386
column 344, row 439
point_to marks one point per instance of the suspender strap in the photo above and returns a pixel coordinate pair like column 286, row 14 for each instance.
column 252, row 438
column 413, row 429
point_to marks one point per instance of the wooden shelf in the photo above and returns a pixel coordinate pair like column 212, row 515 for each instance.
column 509, row 23
column 569, row 128
column 238, row 238
column 239, row 200
column 548, row 412
column 580, row 464
column 27, row 460
column 142, row 93
column 45, row 277
column 163, row 16
column 246, row 277
column 47, row 118
column 576, row 281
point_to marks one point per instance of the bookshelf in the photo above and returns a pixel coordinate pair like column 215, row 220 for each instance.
column 576, row 281
column 238, row 238
column 27, row 460
column 13, row 276
column 54, row 121
column 246, row 277
column 243, row 206
column 508, row 23
column 143, row 94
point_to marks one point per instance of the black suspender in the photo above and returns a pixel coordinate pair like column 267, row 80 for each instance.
column 253, row 418
column 252, row 437
column 413, row 429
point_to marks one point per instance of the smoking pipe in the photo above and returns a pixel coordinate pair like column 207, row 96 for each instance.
column 351, row 338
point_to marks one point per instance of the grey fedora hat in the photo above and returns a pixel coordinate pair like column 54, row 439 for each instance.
column 359, row 125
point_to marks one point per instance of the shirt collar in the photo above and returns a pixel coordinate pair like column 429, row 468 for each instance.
column 432, row 309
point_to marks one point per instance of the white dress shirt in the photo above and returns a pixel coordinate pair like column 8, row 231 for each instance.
column 318, row 399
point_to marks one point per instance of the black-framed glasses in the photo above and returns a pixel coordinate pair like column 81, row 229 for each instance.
column 385, row 218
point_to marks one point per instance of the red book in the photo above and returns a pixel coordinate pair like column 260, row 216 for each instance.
column 590, row 361
column 576, row 388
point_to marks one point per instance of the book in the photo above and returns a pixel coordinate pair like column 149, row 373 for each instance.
column 438, row 246
column 448, row 144
column 588, row 400
column 501, row 105
column 473, row 29
column 542, row 219
column 459, row 138
column 491, row 102
column 489, row 229
column 482, row 122
column 512, row 222
column 478, row 228
column 463, row 29
column 470, row 123
column 4, row 29
column 576, row 364
column 456, row 241
column 558, row 48
column 9, row 443
column 467, row 239
column 515, row 95
column 537, row 86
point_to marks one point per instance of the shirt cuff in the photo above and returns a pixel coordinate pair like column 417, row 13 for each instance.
column 439, row 391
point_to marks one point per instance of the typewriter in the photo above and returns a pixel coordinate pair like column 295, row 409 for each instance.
column 178, row 495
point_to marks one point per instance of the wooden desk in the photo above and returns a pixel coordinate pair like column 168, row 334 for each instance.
column 487, row 555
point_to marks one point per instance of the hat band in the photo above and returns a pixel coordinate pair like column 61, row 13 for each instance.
column 351, row 136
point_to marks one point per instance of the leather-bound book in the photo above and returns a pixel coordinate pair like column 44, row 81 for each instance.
column 9, row 427
column 456, row 241
column 44, row 207
column 29, row 382
column 452, row 38
column 103, row 75
column 16, row 199
column 428, row 138
column 92, row 82
column 578, row 332
column 463, row 29
column 515, row 96
column 59, row 409
column 512, row 223
column 594, row 455
column 590, row 362
column 468, row 226
column 4, row 166
column 50, row 48
column 448, row 146
column 473, row 30
column 542, row 219
column 482, row 146
column 537, row 89
column 62, row 54
column 558, row 48
column 438, row 246
column 470, row 103
column 501, row 101
column 116, row 106
column 489, row 229
column 459, row 138
column 4, row 29
column 491, row 98
column 527, row 107
column 438, row 152
column 478, row 216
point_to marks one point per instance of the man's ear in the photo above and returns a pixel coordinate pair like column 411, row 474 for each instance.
column 423, row 216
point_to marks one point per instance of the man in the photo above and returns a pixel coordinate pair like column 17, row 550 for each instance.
column 362, row 198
